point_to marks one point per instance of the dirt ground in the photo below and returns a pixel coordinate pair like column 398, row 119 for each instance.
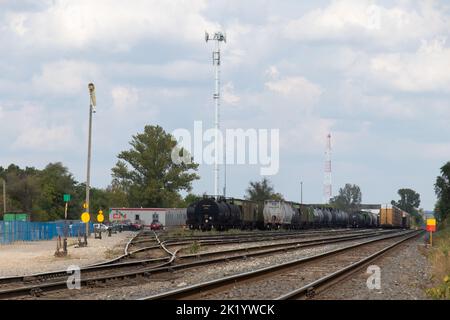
column 23, row 258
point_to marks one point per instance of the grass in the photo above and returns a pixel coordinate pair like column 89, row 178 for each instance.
column 179, row 232
column 440, row 260
column 194, row 247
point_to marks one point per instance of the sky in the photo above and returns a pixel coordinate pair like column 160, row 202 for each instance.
column 375, row 74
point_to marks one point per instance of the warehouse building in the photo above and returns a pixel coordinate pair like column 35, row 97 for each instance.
column 168, row 217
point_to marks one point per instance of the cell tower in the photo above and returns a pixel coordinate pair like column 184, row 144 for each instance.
column 327, row 190
column 217, row 37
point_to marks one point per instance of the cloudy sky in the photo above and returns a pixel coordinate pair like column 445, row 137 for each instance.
column 376, row 74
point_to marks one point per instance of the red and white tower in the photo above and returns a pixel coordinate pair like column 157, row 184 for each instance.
column 327, row 190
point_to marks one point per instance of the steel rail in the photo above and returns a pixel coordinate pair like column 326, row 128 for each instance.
column 194, row 290
column 166, row 266
column 310, row 288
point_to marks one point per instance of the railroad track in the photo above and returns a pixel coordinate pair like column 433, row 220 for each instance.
column 223, row 240
column 294, row 279
column 146, row 237
column 36, row 285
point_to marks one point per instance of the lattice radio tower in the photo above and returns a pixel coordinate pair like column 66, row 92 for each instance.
column 217, row 37
column 327, row 190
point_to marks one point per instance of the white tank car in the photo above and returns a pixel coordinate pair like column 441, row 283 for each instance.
column 277, row 213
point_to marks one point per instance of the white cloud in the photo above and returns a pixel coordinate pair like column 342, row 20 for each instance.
column 228, row 94
column 66, row 77
column 82, row 23
column 369, row 22
column 296, row 87
column 124, row 98
column 176, row 70
column 307, row 136
column 37, row 132
column 424, row 70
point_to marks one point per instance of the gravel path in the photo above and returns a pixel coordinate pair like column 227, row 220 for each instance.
column 33, row 257
column 405, row 273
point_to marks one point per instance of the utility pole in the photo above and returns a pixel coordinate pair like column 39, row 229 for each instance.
column 217, row 37
column 4, row 196
column 301, row 192
column 327, row 191
column 92, row 105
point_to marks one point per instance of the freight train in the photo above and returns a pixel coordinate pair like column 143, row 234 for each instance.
column 225, row 213
column 393, row 217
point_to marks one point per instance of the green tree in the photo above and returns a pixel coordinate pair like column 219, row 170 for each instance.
column 54, row 181
column 261, row 191
column 147, row 174
column 117, row 198
column 348, row 199
column 22, row 188
column 191, row 198
column 442, row 189
column 409, row 202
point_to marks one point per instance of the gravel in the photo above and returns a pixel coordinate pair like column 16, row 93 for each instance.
column 23, row 258
column 405, row 274
column 165, row 282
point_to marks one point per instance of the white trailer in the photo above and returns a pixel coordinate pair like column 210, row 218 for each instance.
column 168, row 217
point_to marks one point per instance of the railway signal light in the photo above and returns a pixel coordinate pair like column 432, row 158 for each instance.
column 85, row 217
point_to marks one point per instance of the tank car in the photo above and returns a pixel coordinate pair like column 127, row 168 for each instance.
column 278, row 214
column 209, row 213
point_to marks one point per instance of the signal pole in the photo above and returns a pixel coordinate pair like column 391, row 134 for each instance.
column 92, row 104
column 217, row 37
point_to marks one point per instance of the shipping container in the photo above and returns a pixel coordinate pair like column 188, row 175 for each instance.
column 16, row 216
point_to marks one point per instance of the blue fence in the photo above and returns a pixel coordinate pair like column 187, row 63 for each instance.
column 11, row 231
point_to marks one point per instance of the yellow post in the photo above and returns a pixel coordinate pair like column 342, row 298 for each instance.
column 431, row 238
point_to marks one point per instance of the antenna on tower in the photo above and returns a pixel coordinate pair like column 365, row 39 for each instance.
column 217, row 37
column 327, row 190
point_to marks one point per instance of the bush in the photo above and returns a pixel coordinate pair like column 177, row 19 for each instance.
column 440, row 260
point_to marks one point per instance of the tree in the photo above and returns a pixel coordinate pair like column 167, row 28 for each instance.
column 147, row 174
column 442, row 189
column 55, row 181
column 191, row 198
column 261, row 191
column 22, row 188
column 348, row 199
column 409, row 202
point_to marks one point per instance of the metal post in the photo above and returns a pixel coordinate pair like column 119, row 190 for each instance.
column 301, row 192
column 218, row 37
column 88, row 171
column 65, row 222
column 217, row 116
column 4, row 196
column 225, row 168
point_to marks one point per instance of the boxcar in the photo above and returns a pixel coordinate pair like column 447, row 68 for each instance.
column 251, row 217
column 390, row 217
